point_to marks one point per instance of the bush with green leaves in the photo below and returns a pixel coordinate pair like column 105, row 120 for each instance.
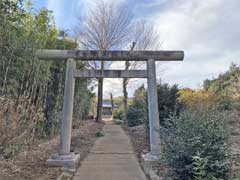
column 167, row 104
column 195, row 145
column 136, row 116
column 118, row 113
column 137, row 111
column 167, row 101
column 225, row 87
column 100, row 133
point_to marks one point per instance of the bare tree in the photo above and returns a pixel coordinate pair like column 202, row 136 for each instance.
column 125, row 83
column 145, row 37
column 106, row 27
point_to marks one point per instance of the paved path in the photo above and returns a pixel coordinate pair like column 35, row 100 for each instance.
column 111, row 158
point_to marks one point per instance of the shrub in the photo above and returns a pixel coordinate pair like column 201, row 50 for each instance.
column 193, row 99
column 100, row 133
column 195, row 145
column 137, row 111
column 118, row 113
column 167, row 100
column 136, row 116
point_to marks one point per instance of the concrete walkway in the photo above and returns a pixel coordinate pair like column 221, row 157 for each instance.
column 111, row 158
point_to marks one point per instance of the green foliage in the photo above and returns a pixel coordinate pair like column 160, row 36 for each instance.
column 118, row 113
column 167, row 101
column 195, row 145
column 84, row 99
column 34, row 88
column 167, row 104
column 100, row 133
column 200, row 167
column 193, row 99
column 137, row 111
column 226, row 88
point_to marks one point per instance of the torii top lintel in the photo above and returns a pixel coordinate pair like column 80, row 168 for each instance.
column 88, row 55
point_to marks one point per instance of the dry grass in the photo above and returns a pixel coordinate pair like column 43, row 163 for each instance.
column 30, row 164
column 18, row 125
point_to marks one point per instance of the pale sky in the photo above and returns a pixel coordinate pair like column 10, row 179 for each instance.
column 208, row 31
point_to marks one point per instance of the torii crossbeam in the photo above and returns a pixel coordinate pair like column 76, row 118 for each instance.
column 110, row 55
column 64, row 156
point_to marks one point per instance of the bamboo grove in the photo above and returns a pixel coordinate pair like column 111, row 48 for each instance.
column 30, row 90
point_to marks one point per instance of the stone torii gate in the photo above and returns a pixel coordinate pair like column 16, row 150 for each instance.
column 65, row 157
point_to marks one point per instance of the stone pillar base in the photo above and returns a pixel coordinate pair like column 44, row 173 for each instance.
column 68, row 162
column 65, row 175
column 150, row 157
column 148, row 162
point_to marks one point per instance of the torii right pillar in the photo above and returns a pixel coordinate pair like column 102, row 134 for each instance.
column 153, row 113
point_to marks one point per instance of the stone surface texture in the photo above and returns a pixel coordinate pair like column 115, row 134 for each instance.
column 87, row 55
column 153, row 113
column 111, row 158
column 69, row 162
column 66, row 124
column 111, row 73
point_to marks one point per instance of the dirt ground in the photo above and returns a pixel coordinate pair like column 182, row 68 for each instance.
column 139, row 138
column 30, row 165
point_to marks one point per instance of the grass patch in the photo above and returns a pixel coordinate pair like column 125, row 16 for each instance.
column 100, row 133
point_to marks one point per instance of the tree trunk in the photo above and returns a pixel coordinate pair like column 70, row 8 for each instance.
column 125, row 83
column 125, row 98
column 100, row 96
column 100, row 99
column 112, row 101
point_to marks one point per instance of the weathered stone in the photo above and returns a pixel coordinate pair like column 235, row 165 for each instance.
column 148, row 162
column 87, row 55
column 153, row 108
column 66, row 125
column 111, row 74
column 69, row 162
column 65, row 176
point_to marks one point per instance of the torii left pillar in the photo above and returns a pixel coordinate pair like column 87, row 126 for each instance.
column 64, row 157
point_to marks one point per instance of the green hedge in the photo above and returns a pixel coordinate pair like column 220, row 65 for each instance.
column 137, row 111
column 195, row 145
column 118, row 113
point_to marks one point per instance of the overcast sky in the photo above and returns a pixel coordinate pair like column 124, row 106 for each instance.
column 208, row 31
